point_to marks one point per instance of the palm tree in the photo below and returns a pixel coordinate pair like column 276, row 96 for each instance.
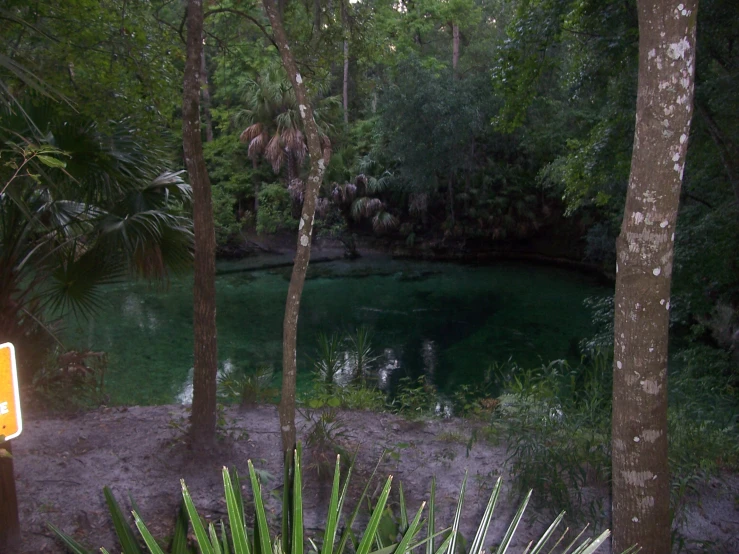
column 357, row 202
column 97, row 210
column 275, row 129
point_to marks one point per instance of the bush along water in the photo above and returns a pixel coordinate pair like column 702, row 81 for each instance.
column 556, row 421
column 340, row 534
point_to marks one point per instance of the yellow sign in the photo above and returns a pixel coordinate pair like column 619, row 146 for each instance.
column 11, row 424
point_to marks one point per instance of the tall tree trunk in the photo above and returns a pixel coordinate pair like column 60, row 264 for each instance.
column 641, row 481
column 345, row 24
column 205, row 91
column 203, row 419
column 305, row 231
column 455, row 49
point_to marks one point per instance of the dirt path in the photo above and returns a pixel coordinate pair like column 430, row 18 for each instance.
column 62, row 464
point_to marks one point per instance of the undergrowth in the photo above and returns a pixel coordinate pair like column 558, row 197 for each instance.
column 556, row 420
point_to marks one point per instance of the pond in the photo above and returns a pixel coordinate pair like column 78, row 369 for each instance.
column 448, row 322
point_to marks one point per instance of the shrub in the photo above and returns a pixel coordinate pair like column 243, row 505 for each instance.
column 275, row 209
column 248, row 387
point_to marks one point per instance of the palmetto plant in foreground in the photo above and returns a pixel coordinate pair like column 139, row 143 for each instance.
column 233, row 535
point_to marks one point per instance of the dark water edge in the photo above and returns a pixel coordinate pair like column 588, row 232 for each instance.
column 448, row 322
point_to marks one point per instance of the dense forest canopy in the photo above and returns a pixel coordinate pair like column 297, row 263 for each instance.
column 456, row 123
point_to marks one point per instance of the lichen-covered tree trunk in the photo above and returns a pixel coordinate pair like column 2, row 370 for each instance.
column 203, row 419
column 305, row 231
column 644, row 269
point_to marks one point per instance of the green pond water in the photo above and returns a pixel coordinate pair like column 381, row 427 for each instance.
column 445, row 321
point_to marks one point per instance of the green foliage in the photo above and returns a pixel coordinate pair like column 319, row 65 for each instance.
column 108, row 60
column 430, row 128
column 275, row 212
column 248, row 387
column 348, row 397
column 362, row 352
column 341, row 367
column 69, row 381
column 414, row 398
column 330, row 358
column 372, row 540
column 232, row 177
column 556, row 421
column 110, row 210
column 326, row 436
column 344, row 359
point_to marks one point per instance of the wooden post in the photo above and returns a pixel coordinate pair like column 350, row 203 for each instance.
column 10, row 529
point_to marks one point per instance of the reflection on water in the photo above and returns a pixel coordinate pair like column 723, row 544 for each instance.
column 428, row 355
column 185, row 394
column 389, row 364
column 447, row 323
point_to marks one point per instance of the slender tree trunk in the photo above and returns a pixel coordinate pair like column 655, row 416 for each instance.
column 203, row 419
column 455, row 49
column 305, row 230
column 641, row 481
column 205, row 91
column 345, row 24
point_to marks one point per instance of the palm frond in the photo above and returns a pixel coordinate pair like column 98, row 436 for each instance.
column 349, row 192
column 365, row 207
column 384, row 221
column 258, row 145
column 74, row 285
column 275, row 153
column 251, row 132
column 294, row 141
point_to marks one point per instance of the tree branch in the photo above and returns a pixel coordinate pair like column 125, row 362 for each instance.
column 245, row 16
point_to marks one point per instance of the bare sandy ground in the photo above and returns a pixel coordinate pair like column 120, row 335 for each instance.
column 62, row 464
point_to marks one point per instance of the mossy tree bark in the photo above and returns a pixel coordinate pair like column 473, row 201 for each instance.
column 305, row 231
column 641, row 482
column 203, row 418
